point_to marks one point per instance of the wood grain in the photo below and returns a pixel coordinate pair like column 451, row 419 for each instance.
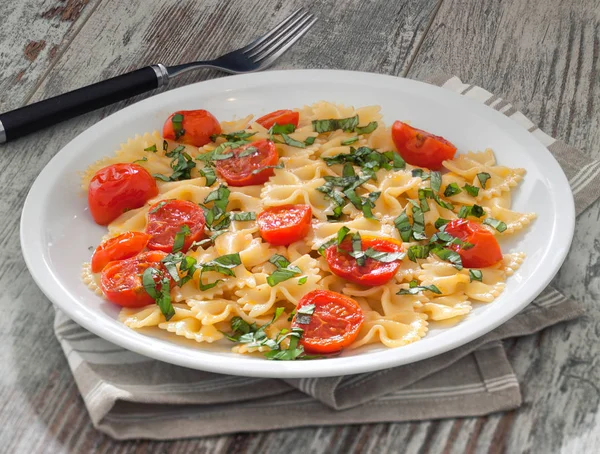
column 33, row 35
column 542, row 55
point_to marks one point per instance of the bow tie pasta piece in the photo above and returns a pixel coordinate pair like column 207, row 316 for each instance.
column 228, row 127
column 384, row 298
column 191, row 328
column 471, row 164
column 445, row 307
column 288, row 189
column 307, row 169
column 324, row 231
column 260, row 300
column 392, row 331
column 91, row 280
column 142, row 317
column 512, row 262
column 515, row 221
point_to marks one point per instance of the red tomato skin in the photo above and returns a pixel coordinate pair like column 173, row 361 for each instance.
column 485, row 251
column 334, row 325
column 121, row 280
column 121, row 247
column 373, row 273
column 164, row 221
column 285, row 224
column 420, row 148
column 198, row 126
column 238, row 171
column 281, row 117
column 118, row 188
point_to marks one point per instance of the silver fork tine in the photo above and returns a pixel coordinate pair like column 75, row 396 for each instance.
column 269, row 57
column 278, row 37
column 260, row 40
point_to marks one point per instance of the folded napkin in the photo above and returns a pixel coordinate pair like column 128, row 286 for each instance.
column 132, row 396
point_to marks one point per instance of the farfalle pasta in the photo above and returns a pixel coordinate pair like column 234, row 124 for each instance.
column 301, row 232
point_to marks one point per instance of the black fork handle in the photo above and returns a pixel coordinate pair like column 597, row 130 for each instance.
column 25, row 120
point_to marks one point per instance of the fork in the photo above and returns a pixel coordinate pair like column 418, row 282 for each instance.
column 257, row 55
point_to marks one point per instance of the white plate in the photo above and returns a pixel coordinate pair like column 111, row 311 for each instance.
column 57, row 230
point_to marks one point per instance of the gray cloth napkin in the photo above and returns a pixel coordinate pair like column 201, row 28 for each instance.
column 132, row 396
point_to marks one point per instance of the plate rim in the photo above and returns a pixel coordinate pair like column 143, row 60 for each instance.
column 250, row 367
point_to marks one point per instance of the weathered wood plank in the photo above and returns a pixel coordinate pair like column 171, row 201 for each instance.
column 544, row 57
column 39, row 402
column 33, row 35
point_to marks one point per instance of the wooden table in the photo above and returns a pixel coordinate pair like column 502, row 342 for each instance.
column 543, row 55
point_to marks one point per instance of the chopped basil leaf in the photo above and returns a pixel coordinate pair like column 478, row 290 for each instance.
column 208, row 173
column 475, row 275
column 474, row 210
column 495, row 223
column 473, row 191
column 341, row 235
column 247, row 152
column 420, row 173
column 418, row 222
column 223, row 265
column 294, row 351
column 144, row 159
column 347, row 124
column 414, row 289
column 357, row 251
column 349, row 141
column 366, row 129
column 187, row 265
column 278, row 166
column 483, row 177
column 417, row 251
column 235, row 136
column 287, row 128
column 180, row 238
column 283, row 272
column 309, row 140
column 244, row 216
column 177, row 121
column 292, row 142
column 441, row 222
column 161, row 294
column 423, row 201
column 402, row 223
column 302, row 280
column 181, row 163
column 219, row 153
column 368, row 159
column 448, row 255
column 384, row 257
column 452, row 189
column 161, row 204
column 309, row 309
column 151, row 148
column 436, row 183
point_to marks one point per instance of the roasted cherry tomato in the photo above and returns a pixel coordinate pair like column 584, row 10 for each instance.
column 334, row 324
column 166, row 219
column 284, row 224
column 119, row 188
column 485, row 251
column 238, row 170
column 421, row 148
column 281, row 117
column 373, row 272
column 195, row 128
column 121, row 281
column 118, row 248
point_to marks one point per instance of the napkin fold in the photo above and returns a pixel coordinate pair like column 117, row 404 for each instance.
column 132, row 396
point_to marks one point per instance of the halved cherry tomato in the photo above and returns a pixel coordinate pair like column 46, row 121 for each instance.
column 237, row 170
column 284, row 224
column 120, row 247
column 118, row 188
column 165, row 220
column 334, row 324
column 485, row 251
column 121, row 281
column 421, row 148
column 281, row 117
column 373, row 272
column 196, row 128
